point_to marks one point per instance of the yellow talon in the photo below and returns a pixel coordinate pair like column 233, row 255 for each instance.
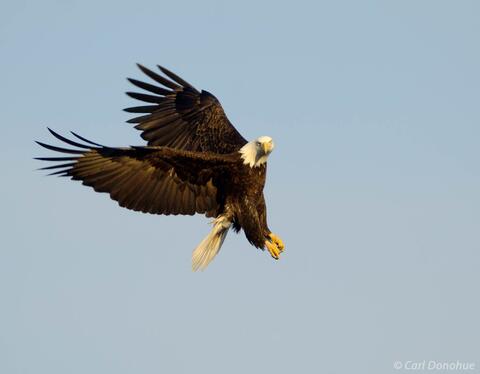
column 276, row 239
column 273, row 249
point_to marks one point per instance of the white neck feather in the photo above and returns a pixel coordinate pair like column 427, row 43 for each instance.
column 250, row 155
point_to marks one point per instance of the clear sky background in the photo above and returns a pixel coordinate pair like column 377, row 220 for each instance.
column 374, row 187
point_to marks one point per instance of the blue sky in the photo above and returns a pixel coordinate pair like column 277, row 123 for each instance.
column 373, row 186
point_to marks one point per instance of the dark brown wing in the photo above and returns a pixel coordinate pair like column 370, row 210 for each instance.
column 157, row 180
column 179, row 116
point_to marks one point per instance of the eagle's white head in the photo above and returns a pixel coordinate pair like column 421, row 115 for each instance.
column 255, row 153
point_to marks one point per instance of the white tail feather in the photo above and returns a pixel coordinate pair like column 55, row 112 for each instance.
column 210, row 246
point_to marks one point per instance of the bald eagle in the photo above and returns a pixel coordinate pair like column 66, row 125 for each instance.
column 195, row 161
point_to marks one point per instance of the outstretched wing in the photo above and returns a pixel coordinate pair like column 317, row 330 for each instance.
column 157, row 180
column 182, row 117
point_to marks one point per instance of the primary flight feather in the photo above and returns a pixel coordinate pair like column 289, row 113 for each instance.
column 195, row 161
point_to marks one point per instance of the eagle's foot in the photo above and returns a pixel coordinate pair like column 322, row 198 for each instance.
column 278, row 242
column 273, row 249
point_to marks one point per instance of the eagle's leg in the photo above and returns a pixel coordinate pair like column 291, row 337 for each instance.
column 273, row 249
column 277, row 241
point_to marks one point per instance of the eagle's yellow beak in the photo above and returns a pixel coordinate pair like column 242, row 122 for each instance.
column 267, row 147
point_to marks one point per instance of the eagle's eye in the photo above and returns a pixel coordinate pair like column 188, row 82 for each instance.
column 258, row 144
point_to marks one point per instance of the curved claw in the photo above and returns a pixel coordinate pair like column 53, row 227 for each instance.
column 273, row 249
column 278, row 242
